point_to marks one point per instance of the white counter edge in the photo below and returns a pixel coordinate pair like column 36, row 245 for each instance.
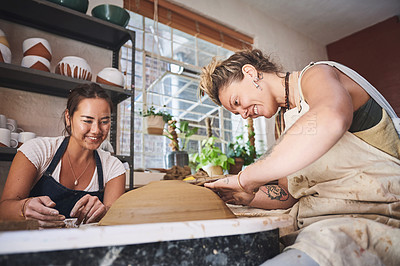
column 101, row 236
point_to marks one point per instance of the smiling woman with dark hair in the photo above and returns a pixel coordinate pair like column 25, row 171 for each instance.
column 338, row 162
column 51, row 179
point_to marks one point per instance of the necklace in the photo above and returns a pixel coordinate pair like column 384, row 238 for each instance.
column 287, row 91
column 73, row 173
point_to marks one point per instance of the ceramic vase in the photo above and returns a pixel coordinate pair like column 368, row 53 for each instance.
column 36, row 62
column 5, row 52
column 75, row 67
column 38, row 47
column 111, row 76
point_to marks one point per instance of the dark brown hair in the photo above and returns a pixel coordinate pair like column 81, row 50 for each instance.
column 81, row 92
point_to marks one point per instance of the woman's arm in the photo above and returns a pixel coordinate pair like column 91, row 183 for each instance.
column 271, row 197
column 311, row 136
column 90, row 209
column 15, row 204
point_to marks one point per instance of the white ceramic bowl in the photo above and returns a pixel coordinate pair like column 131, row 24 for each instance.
column 111, row 76
column 36, row 62
column 5, row 54
column 75, row 67
column 37, row 46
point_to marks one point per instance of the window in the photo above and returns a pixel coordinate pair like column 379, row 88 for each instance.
column 167, row 66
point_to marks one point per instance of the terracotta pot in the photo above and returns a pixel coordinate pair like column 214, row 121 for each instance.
column 213, row 170
column 36, row 62
column 5, row 54
column 155, row 124
column 75, row 67
column 3, row 39
column 38, row 47
column 234, row 169
column 111, row 76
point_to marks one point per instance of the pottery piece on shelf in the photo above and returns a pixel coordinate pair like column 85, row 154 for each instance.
column 5, row 54
column 3, row 39
column 112, row 13
column 111, row 76
column 75, row 67
column 78, row 5
column 36, row 62
column 166, row 201
column 37, row 46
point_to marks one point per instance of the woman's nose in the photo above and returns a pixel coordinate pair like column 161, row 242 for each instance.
column 95, row 127
column 244, row 114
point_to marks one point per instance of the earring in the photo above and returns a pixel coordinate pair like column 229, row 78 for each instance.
column 255, row 84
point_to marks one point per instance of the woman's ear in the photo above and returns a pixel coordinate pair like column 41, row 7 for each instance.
column 67, row 118
column 250, row 70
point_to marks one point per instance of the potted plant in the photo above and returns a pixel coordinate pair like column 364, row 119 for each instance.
column 242, row 152
column 178, row 156
column 155, row 121
column 211, row 158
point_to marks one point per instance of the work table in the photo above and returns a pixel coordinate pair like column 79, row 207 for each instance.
column 242, row 240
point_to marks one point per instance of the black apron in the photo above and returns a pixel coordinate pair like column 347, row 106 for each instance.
column 64, row 197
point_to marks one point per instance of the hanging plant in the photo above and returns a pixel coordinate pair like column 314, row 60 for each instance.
column 155, row 121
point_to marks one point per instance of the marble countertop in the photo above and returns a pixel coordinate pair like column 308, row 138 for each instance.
column 14, row 242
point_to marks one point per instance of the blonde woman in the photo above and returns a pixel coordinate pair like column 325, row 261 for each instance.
column 338, row 162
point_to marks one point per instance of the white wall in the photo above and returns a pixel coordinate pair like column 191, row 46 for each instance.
column 287, row 47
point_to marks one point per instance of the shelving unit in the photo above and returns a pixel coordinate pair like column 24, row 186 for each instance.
column 62, row 21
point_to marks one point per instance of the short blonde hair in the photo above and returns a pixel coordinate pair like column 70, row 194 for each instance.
column 218, row 74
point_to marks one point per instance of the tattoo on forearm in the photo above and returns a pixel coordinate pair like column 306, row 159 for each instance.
column 275, row 192
column 225, row 180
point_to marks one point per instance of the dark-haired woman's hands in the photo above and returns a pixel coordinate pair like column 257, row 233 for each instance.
column 42, row 209
column 88, row 209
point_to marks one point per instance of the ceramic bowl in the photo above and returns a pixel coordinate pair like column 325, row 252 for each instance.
column 36, row 62
column 111, row 13
column 37, row 46
column 3, row 39
column 111, row 76
column 75, row 67
column 5, row 54
column 78, row 5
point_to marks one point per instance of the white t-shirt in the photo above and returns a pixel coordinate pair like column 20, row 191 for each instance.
column 40, row 151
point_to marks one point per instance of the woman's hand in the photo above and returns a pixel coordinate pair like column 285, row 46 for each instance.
column 88, row 209
column 230, row 192
column 42, row 209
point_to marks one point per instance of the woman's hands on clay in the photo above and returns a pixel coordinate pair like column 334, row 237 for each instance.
column 42, row 209
column 88, row 209
column 229, row 191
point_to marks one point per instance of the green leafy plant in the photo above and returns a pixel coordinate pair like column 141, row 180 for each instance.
column 241, row 149
column 211, row 154
column 152, row 111
column 184, row 133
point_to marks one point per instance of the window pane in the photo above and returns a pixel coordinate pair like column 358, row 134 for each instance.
column 164, row 31
column 204, row 58
column 184, row 54
column 136, row 20
column 207, row 47
column 158, row 45
column 183, row 38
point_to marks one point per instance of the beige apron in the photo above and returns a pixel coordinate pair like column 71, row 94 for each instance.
column 349, row 199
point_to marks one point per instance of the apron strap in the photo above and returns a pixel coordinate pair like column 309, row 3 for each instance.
column 57, row 157
column 371, row 90
column 99, row 170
